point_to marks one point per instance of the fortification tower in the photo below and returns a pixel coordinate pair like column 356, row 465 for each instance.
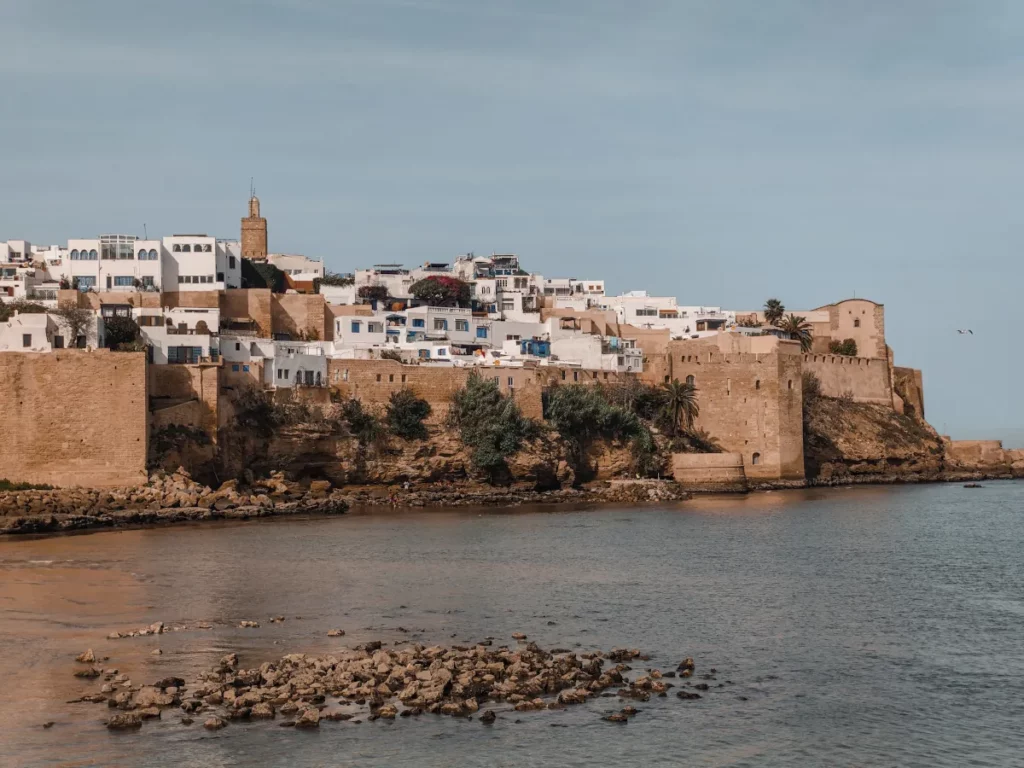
column 254, row 232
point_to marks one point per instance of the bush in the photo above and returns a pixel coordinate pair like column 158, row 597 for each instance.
column 120, row 330
column 7, row 485
column 373, row 293
column 333, row 278
column 489, row 423
column 582, row 414
column 391, row 354
column 364, row 425
column 846, row 347
column 406, row 414
column 645, row 400
column 440, row 291
column 7, row 309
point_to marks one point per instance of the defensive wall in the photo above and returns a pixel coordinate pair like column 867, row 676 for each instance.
column 909, row 383
column 750, row 398
column 710, row 471
column 185, row 395
column 866, row 379
column 74, row 417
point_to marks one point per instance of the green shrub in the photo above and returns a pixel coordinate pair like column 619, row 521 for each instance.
column 441, row 291
column 119, row 330
column 7, row 485
column 406, row 414
column 8, row 308
column 845, row 347
column 364, row 425
column 490, row 424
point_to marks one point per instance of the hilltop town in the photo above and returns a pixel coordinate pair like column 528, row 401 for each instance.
column 120, row 356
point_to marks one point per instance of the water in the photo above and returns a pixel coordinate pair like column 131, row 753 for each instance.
column 861, row 627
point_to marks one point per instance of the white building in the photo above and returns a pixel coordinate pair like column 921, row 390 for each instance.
column 296, row 266
column 644, row 311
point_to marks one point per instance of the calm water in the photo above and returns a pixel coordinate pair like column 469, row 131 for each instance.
column 867, row 627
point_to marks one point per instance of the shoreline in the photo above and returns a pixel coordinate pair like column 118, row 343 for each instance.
column 366, row 499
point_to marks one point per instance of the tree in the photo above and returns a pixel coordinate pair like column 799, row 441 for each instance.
column 406, row 414
column 391, row 354
column 845, row 347
column 22, row 307
column 373, row 292
column 75, row 321
column 680, row 405
column 798, row 329
column 364, row 425
column 773, row 311
column 334, row 278
column 441, row 291
column 702, row 441
column 118, row 331
column 490, row 424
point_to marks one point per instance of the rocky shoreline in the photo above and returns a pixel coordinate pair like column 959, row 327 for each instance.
column 372, row 682
column 176, row 498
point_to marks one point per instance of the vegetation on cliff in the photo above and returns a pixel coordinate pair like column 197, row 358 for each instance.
column 490, row 425
column 406, row 415
column 846, row 347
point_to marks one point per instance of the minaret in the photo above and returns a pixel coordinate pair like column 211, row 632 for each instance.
column 254, row 231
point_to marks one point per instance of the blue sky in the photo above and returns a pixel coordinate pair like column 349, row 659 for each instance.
column 719, row 151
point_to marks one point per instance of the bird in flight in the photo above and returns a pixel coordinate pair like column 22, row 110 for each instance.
column 965, row 330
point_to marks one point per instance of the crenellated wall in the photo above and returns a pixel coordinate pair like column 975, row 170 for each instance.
column 867, row 379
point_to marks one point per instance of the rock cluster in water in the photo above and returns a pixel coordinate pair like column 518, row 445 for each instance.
column 456, row 681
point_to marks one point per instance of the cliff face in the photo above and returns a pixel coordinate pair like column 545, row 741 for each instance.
column 847, row 442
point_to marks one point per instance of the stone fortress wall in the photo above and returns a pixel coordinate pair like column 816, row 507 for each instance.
column 74, row 417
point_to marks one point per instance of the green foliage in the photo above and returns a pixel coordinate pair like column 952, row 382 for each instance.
column 582, row 414
column 74, row 320
column 748, row 321
column 118, row 331
column 406, row 414
column 334, row 278
column 7, row 309
column 263, row 274
column 441, row 291
column 773, row 311
column 255, row 411
column 7, row 485
column 645, row 400
column 489, row 423
column 798, row 329
column 373, row 292
column 844, row 347
column 680, row 407
column 391, row 354
column 364, row 425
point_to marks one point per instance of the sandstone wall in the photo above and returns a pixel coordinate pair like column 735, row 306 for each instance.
column 861, row 320
column 74, row 417
column 95, row 300
column 248, row 304
column 986, row 456
column 171, row 385
column 910, row 383
column 751, row 402
column 717, row 471
column 867, row 379
column 300, row 315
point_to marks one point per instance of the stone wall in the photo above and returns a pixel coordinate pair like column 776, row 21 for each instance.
column 149, row 299
column 74, row 417
column 987, row 456
column 239, row 305
column 910, row 383
column 867, row 379
column 172, row 385
column 750, row 397
column 861, row 320
column 301, row 316
column 712, row 471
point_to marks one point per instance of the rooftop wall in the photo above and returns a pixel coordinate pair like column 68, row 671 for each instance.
column 867, row 379
column 74, row 417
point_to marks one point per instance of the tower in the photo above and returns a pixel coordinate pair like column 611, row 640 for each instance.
column 254, row 231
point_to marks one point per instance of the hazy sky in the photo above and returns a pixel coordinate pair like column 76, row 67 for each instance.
column 719, row 151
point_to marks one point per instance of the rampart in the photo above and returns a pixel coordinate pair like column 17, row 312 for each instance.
column 74, row 417
column 711, row 471
column 866, row 379
column 174, row 386
column 909, row 383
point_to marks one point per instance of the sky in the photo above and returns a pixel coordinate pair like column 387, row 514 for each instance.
column 722, row 151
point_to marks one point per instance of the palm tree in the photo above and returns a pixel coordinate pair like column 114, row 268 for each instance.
column 703, row 441
column 773, row 311
column 680, row 405
column 797, row 329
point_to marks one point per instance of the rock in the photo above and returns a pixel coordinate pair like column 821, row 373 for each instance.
column 518, row 636
column 248, row 624
column 388, row 711
column 629, row 711
column 88, row 674
column 616, row 717
column 156, row 652
column 149, row 696
column 702, row 686
column 687, row 695
column 157, row 628
column 124, row 722
column 308, row 718
column 277, row 620
column 229, row 662
column 488, row 717
column 686, row 664
column 215, row 724
column 149, row 713
column 169, row 682
column 336, row 633
column 88, row 657
column 187, row 721
column 48, row 724
column 263, row 711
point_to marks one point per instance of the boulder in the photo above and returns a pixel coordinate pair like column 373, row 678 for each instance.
column 215, row 724
column 88, row 657
column 308, row 718
column 263, row 711
column 150, row 696
column 124, row 722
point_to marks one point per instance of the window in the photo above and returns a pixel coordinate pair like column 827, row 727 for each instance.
column 74, row 254
column 147, row 281
column 356, row 326
column 152, row 254
column 186, row 248
column 391, row 378
column 58, row 342
column 757, row 383
column 481, row 332
column 575, row 375
column 789, row 384
column 234, row 368
column 755, row 459
column 403, row 378
column 375, row 327
column 93, row 255
column 378, row 377
column 461, row 325
column 220, row 277
column 442, row 352
column 690, row 380
column 418, row 322
column 124, row 281
column 206, row 248
column 344, row 376
column 440, row 324
column 856, row 322
column 238, row 346
column 231, row 262
column 86, row 282
column 511, row 382
column 507, row 305
column 26, row 339
column 245, row 369
column 647, row 312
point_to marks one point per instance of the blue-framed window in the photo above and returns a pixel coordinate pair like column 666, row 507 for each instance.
column 122, row 281
column 85, row 282
column 481, row 332
column 245, row 369
column 418, row 322
column 356, row 326
column 234, row 368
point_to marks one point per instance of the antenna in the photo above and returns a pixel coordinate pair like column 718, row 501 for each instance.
column 145, row 234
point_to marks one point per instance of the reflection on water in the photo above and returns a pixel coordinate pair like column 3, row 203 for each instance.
column 869, row 626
